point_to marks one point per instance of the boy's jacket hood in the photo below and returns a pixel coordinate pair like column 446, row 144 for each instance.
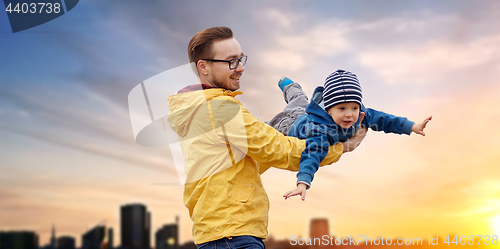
column 317, row 113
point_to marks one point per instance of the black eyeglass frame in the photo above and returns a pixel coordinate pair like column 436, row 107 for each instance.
column 240, row 60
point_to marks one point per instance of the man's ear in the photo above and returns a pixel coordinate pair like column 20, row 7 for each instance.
column 202, row 67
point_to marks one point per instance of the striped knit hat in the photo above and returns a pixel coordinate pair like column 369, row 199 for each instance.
column 341, row 87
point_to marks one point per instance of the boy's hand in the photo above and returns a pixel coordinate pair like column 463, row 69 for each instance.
column 300, row 190
column 419, row 128
column 355, row 140
column 361, row 117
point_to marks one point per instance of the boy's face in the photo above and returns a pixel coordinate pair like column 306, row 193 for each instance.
column 345, row 114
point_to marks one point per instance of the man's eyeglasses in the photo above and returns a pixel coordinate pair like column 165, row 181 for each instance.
column 233, row 63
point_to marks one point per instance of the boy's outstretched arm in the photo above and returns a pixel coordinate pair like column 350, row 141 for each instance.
column 300, row 190
column 419, row 128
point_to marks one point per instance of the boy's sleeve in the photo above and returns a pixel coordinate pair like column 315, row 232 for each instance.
column 317, row 146
column 388, row 123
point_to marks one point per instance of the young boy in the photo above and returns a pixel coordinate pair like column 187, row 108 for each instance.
column 331, row 117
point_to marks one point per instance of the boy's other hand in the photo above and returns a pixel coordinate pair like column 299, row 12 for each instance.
column 355, row 140
column 300, row 190
column 419, row 128
column 361, row 117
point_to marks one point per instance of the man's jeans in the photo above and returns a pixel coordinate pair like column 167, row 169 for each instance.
column 238, row 242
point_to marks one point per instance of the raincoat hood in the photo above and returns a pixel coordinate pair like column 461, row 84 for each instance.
column 184, row 107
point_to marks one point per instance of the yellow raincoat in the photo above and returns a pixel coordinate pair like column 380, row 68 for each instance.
column 225, row 150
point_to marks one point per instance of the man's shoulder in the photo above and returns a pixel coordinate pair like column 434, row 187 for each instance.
column 195, row 87
column 223, row 95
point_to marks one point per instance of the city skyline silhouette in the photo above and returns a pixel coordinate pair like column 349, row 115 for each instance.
column 136, row 234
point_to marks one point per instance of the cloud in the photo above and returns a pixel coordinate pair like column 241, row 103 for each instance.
column 292, row 51
column 82, row 121
column 136, row 159
column 277, row 18
column 420, row 47
column 431, row 62
column 284, row 59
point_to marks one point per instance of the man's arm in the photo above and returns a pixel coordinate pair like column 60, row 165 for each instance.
column 261, row 142
column 246, row 134
column 272, row 149
column 334, row 151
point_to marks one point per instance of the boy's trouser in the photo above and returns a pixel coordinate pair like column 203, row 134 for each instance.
column 297, row 103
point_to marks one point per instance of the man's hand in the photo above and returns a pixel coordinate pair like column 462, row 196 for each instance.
column 300, row 190
column 419, row 128
column 355, row 140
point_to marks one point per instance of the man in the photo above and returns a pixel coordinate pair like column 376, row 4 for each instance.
column 226, row 148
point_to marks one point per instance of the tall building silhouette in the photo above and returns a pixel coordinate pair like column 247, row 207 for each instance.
column 135, row 227
column 318, row 228
column 98, row 238
column 167, row 237
column 53, row 242
column 108, row 240
column 18, row 240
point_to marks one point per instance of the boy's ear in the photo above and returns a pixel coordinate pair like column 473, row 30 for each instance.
column 202, row 67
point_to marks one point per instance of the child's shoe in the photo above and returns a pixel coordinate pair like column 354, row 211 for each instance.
column 284, row 82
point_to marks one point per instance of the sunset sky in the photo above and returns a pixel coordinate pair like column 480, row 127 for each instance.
column 68, row 155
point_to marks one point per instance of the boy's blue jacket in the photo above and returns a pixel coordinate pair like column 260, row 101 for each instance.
column 320, row 131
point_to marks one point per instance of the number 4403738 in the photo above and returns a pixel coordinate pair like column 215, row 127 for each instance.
column 34, row 8
column 471, row 240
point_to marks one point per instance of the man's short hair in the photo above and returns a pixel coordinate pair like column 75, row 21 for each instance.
column 200, row 46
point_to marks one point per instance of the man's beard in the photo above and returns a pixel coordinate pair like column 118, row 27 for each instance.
column 217, row 82
column 225, row 82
